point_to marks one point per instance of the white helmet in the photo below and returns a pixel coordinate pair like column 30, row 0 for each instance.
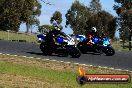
column 57, row 28
column 94, row 29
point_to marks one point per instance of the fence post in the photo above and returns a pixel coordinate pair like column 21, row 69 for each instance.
column 130, row 39
column 8, row 34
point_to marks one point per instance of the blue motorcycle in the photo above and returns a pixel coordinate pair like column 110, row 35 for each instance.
column 99, row 45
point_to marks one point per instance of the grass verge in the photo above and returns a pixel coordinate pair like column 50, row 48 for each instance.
column 118, row 46
column 18, row 72
column 17, row 36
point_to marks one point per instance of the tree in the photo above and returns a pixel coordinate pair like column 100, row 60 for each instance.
column 124, row 11
column 104, row 22
column 56, row 16
column 95, row 6
column 14, row 12
column 10, row 15
column 77, row 16
column 34, row 22
column 31, row 8
column 82, row 18
column 45, row 28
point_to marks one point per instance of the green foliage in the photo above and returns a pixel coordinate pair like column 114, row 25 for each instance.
column 104, row 22
column 124, row 3
column 124, row 11
column 14, row 12
column 95, row 6
column 56, row 16
column 126, row 26
column 81, row 18
column 77, row 16
column 9, row 16
column 45, row 28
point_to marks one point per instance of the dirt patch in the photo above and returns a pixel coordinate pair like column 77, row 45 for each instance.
column 17, row 81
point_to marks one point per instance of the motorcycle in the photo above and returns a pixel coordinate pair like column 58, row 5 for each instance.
column 64, row 46
column 96, row 45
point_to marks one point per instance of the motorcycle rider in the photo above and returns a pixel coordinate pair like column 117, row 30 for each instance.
column 51, row 36
column 56, row 29
column 92, row 34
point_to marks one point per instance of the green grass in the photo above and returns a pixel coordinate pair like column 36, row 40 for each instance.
column 17, row 36
column 6, row 67
column 118, row 46
column 65, row 78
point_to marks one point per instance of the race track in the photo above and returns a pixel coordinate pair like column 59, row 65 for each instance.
column 121, row 60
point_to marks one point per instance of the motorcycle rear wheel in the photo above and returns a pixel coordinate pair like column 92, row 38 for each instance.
column 44, row 48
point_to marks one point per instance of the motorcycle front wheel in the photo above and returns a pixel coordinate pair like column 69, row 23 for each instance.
column 62, row 52
column 81, row 47
column 75, row 53
column 110, row 52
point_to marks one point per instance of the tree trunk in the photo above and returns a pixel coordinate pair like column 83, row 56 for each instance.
column 123, row 44
column 27, row 27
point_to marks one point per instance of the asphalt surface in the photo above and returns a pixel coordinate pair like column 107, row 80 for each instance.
column 121, row 60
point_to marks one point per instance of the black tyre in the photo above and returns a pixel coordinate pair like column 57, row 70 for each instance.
column 81, row 47
column 62, row 52
column 110, row 52
column 75, row 53
column 44, row 48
